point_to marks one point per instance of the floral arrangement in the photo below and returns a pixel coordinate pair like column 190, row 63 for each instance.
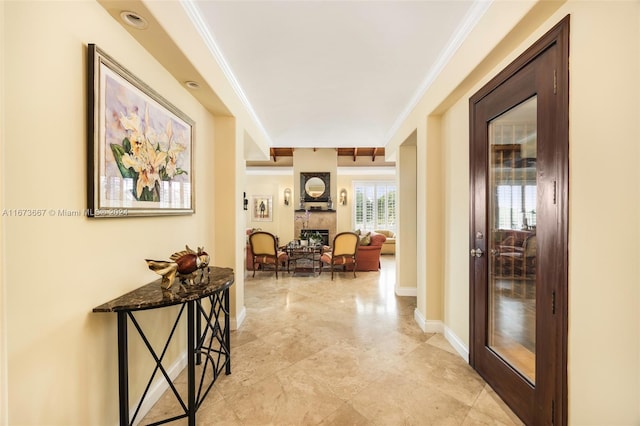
column 314, row 237
column 304, row 219
column 147, row 157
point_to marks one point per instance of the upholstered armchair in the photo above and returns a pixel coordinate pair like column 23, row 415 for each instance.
column 264, row 250
column 518, row 261
column 368, row 257
column 343, row 252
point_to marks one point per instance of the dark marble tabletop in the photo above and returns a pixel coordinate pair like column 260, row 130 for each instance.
column 153, row 296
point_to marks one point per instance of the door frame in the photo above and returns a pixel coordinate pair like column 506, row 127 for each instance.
column 558, row 36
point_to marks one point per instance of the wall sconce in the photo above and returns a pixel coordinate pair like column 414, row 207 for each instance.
column 287, row 196
column 343, row 197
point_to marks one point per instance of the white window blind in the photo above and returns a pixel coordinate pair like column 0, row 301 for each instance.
column 375, row 205
column 516, row 206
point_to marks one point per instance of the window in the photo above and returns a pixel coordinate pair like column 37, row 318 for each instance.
column 516, row 206
column 375, row 205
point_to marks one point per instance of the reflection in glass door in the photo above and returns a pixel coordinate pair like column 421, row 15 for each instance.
column 512, row 219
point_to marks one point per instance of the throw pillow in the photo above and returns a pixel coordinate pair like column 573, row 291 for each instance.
column 366, row 239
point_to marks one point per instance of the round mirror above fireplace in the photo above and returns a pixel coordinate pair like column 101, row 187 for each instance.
column 315, row 186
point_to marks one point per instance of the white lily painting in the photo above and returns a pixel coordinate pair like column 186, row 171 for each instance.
column 145, row 147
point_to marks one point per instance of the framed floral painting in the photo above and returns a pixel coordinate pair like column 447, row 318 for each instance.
column 140, row 146
column 262, row 208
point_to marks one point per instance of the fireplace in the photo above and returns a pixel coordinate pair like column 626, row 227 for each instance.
column 322, row 221
column 323, row 232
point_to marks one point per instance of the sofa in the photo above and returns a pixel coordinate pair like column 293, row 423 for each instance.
column 389, row 246
column 368, row 255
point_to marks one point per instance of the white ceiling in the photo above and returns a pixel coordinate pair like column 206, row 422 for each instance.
column 333, row 73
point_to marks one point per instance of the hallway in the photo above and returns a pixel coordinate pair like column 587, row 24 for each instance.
column 346, row 352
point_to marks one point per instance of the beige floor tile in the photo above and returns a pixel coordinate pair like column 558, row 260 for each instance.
column 290, row 397
column 250, row 363
column 439, row 341
column 345, row 352
column 345, row 415
column 490, row 404
column 433, row 366
column 343, row 368
column 395, row 400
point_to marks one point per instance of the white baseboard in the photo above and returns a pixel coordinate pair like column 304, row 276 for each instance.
column 406, row 291
column 457, row 343
column 436, row 326
column 157, row 389
column 428, row 326
column 237, row 321
column 420, row 320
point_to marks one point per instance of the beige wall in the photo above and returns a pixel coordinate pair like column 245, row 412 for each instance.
column 311, row 160
column 433, row 242
column 273, row 183
column 62, row 367
column 455, row 138
column 4, row 407
column 345, row 213
column 604, row 277
column 407, row 240
column 604, row 280
column 227, row 226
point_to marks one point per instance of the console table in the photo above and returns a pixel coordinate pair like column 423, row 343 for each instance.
column 207, row 336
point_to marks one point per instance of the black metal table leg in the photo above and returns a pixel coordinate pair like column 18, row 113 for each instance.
column 198, row 331
column 123, row 369
column 191, row 367
column 227, row 331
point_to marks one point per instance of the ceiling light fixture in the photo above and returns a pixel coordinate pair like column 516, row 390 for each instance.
column 134, row 20
column 192, row 84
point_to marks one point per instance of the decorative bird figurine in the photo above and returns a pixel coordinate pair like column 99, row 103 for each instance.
column 185, row 263
column 167, row 269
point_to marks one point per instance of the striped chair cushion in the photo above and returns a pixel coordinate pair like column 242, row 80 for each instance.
column 338, row 260
column 282, row 257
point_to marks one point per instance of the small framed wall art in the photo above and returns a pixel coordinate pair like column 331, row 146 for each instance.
column 140, row 146
column 262, row 208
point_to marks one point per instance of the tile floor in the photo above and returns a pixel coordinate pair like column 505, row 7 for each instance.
column 346, row 352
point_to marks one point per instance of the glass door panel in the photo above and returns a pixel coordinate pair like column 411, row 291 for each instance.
column 512, row 200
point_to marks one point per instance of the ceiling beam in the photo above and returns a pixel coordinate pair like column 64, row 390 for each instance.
column 354, row 153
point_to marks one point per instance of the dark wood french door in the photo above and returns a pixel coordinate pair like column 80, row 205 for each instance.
column 519, row 228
